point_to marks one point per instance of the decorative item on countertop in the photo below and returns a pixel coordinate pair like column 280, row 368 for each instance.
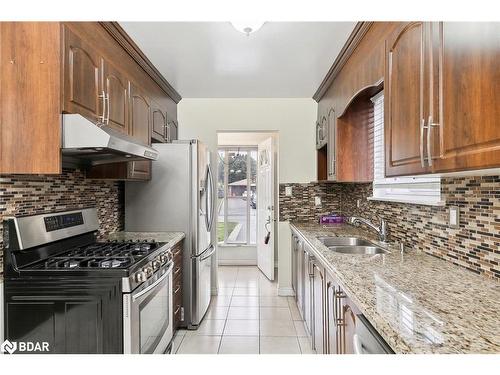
column 331, row 219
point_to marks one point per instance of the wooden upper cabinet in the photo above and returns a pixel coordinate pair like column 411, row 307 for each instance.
column 466, row 118
column 117, row 99
column 140, row 115
column 83, row 91
column 30, row 97
column 404, row 100
column 159, row 122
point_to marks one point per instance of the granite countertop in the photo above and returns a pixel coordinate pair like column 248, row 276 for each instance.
column 171, row 238
column 418, row 303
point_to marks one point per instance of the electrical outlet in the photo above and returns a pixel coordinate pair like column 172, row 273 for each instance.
column 288, row 191
column 454, row 219
column 317, row 201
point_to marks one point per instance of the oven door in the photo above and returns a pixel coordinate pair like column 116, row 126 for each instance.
column 148, row 315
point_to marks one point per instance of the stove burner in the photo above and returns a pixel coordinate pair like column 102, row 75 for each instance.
column 102, row 255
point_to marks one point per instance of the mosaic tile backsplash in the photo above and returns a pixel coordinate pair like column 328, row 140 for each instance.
column 24, row 195
column 300, row 206
column 475, row 244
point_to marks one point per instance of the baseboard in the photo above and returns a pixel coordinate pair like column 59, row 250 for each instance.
column 286, row 291
column 237, row 262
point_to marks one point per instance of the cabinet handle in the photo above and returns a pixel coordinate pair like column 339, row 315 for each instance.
column 109, row 108
column 422, row 127
column 430, row 124
column 167, row 131
column 177, row 309
column 177, row 289
column 102, row 118
column 177, row 270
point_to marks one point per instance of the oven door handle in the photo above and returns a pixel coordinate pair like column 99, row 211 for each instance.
column 163, row 277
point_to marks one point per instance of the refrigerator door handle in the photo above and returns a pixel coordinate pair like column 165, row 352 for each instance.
column 210, row 191
column 206, row 191
column 206, row 254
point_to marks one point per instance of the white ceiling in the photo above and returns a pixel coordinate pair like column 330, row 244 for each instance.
column 214, row 60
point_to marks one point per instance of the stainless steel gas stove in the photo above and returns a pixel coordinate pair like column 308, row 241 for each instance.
column 54, row 263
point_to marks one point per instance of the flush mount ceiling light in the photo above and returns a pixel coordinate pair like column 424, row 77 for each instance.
column 247, row 27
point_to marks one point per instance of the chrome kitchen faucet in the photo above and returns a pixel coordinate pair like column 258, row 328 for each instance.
column 381, row 229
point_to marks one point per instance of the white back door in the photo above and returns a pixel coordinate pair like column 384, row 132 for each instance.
column 265, row 207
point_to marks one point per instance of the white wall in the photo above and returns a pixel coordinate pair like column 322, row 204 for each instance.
column 292, row 118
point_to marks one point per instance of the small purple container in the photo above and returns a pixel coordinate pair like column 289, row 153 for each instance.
column 331, row 219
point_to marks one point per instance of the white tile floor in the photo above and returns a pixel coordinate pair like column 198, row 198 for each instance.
column 247, row 317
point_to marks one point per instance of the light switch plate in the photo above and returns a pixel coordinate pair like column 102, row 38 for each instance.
column 454, row 218
column 317, row 201
column 288, row 191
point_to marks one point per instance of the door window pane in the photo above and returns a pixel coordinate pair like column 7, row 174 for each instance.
column 253, row 198
column 237, row 196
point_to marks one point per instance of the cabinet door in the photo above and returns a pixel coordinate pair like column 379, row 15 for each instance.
column 332, row 146
column 73, row 317
column 307, row 298
column 318, row 308
column 348, row 311
column 467, row 127
column 299, row 294
column 405, row 90
column 332, row 319
column 294, row 255
column 140, row 115
column 159, row 123
column 83, row 92
column 116, row 89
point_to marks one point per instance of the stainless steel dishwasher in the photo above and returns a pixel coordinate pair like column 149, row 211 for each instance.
column 367, row 340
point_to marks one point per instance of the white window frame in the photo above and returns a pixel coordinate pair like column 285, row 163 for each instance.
column 424, row 190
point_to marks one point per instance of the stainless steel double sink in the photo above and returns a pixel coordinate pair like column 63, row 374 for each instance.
column 351, row 245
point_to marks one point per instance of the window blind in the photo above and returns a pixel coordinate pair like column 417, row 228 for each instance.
column 409, row 189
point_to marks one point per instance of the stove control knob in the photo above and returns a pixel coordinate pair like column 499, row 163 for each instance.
column 163, row 258
column 140, row 277
column 156, row 264
column 148, row 271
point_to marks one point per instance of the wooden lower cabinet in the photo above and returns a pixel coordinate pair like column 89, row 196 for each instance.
column 318, row 308
column 329, row 314
column 72, row 316
column 332, row 323
column 348, row 316
column 307, row 285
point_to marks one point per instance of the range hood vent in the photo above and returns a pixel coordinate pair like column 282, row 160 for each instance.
column 94, row 144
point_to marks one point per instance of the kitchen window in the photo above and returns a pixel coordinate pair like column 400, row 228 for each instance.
column 237, row 196
column 408, row 189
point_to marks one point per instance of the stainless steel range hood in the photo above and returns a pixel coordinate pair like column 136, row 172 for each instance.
column 93, row 144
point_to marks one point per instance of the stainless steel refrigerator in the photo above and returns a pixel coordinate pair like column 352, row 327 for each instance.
column 180, row 197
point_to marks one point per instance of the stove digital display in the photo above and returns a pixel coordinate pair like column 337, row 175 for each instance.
column 63, row 221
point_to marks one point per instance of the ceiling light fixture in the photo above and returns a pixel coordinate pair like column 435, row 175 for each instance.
column 247, row 27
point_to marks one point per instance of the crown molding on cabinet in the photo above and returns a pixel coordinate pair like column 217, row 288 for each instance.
column 121, row 36
column 350, row 45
